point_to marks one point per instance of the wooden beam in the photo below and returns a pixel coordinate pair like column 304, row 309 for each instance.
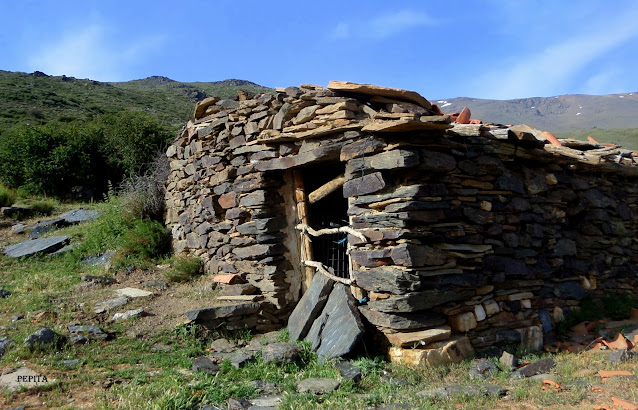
column 326, row 189
column 322, row 269
column 302, row 214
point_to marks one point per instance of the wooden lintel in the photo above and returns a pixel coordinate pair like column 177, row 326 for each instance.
column 326, row 189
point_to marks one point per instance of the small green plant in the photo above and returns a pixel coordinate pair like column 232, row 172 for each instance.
column 44, row 206
column 619, row 306
column 183, row 269
column 7, row 196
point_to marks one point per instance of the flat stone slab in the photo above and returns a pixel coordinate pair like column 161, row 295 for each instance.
column 79, row 215
column 23, row 378
column 318, row 385
column 105, row 305
column 36, row 246
column 133, row 293
column 339, row 328
column 538, row 367
column 267, row 401
column 419, row 338
column 309, row 307
column 128, row 314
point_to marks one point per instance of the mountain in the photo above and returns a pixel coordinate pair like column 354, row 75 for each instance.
column 608, row 118
column 38, row 98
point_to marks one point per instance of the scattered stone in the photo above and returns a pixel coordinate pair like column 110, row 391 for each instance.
column 267, row 401
column 240, row 359
column 281, row 352
column 78, row 339
column 481, row 369
column 79, row 215
column 43, row 337
column 263, row 387
column 93, row 332
column 70, row 363
column 223, row 345
column 538, row 367
column 621, row 356
column 156, row 284
column 102, row 280
column 348, row 371
column 129, row 314
column 106, row 305
column 318, row 385
column 238, row 404
column 23, row 378
column 449, row 392
column 4, row 293
column 508, row 360
column 309, row 307
column 205, row 364
column 160, row 347
column 222, row 311
column 36, row 246
column 99, row 260
column 4, row 345
column 133, row 293
column 544, row 376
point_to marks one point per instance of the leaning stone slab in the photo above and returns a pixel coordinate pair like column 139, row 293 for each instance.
column 222, row 311
column 24, row 378
column 79, row 215
column 309, row 307
column 36, row 246
column 133, row 293
column 339, row 328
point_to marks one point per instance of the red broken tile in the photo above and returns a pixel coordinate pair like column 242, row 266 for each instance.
column 551, row 385
column 580, row 329
column 475, row 121
column 551, row 138
column 619, row 343
column 634, row 314
column 436, row 109
column 591, row 139
column 608, row 374
column 465, row 116
column 625, row 405
column 453, row 117
column 575, row 348
column 230, row 279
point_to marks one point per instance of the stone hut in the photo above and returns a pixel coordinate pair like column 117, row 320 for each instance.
column 446, row 233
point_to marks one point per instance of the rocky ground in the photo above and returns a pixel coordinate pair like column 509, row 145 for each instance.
column 66, row 344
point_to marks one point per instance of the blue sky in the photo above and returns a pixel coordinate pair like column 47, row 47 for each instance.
column 480, row 48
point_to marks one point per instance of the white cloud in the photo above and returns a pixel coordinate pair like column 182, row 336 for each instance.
column 381, row 26
column 543, row 73
column 604, row 82
column 341, row 31
column 89, row 53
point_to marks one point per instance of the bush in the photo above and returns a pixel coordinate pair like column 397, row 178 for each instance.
column 144, row 194
column 146, row 239
column 59, row 157
column 44, row 206
column 7, row 196
column 184, row 268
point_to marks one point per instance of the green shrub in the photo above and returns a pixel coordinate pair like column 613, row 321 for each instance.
column 618, row 306
column 146, row 239
column 183, row 269
column 44, row 206
column 7, row 196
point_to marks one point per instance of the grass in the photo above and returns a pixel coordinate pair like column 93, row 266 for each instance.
column 183, row 269
column 7, row 196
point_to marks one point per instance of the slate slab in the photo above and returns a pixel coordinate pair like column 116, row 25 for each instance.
column 403, row 321
column 42, row 337
column 105, row 305
column 621, row 356
column 36, row 246
column 481, row 369
column 348, row 371
column 240, row 359
column 222, row 311
column 339, row 328
column 92, row 331
column 79, row 215
column 281, row 352
column 129, row 314
column 133, row 293
column 267, row 401
column 309, row 307
column 4, row 345
column 538, row 367
column 205, row 364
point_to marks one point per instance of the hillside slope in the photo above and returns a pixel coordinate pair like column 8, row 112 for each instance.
column 38, row 98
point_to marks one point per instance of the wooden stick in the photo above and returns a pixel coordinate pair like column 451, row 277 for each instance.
column 302, row 213
column 326, row 189
column 346, row 229
column 322, row 269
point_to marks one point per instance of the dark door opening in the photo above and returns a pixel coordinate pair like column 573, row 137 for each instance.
column 329, row 212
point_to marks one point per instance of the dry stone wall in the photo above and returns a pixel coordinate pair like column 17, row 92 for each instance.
column 476, row 234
